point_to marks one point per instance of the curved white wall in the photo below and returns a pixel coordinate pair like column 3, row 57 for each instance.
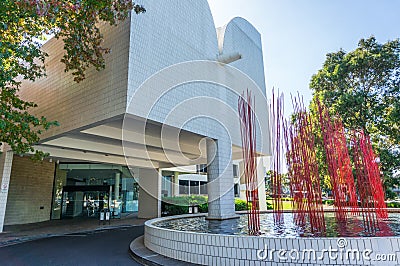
column 173, row 32
column 241, row 36
column 169, row 32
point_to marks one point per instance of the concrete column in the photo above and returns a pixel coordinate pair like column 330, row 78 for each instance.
column 6, row 162
column 116, row 187
column 242, row 181
column 261, row 184
column 149, row 193
column 221, row 204
column 175, row 184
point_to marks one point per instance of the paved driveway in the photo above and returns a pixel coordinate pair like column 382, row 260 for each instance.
column 97, row 248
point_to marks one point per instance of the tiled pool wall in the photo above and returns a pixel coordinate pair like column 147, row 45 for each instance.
column 213, row 249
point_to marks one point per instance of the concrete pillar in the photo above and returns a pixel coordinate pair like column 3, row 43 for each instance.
column 116, row 187
column 149, row 193
column 261, row 184
column 221, row 203
column 6, row 162
column 242, row 181
column 175, row 184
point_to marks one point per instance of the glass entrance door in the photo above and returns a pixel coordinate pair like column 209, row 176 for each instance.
column 84, row 201
column 130, row 198
column 83, row 190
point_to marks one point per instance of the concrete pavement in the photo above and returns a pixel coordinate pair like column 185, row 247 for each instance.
column 21, row 233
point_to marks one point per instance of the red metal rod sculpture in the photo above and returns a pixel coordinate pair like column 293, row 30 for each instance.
column 276, row 120
column 339, row 164
column 303, row 171
column 369, row 181
column 248, row 133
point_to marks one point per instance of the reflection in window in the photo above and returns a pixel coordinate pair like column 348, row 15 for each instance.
column 237, row 190
column 235, row 171
column 183, row 187
column 83, row 190
column 203, row 188
column 194, row 188
column 166, row 186
column 201, row 169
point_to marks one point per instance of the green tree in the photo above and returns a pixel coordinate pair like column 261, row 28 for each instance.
column 363, row 87
column 269, row 179
column 23, row 26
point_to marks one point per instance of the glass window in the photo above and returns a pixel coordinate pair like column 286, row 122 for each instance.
column 60, row 181
column 203, row 188
column 183, row 187
column 166, row 190
column 237, row 190
column 194, row 188
column 85, row 189
column 235, row 171
column 201, row 169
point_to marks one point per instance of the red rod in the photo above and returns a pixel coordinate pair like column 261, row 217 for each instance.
column 303, row 170
column 276, row 120
column 339, row 164
column 248, row 134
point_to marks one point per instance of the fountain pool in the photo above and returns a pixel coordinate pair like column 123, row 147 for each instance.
column 353, row 228
column 192, row 238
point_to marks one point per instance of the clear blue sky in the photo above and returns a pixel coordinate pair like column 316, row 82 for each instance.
column 297, row 34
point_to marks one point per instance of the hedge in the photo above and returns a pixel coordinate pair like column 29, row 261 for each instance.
column 328, row 202
column 179, row 205
column 393, row 204
column 283, row 199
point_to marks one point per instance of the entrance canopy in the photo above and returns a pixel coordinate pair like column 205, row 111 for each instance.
column 107, row 142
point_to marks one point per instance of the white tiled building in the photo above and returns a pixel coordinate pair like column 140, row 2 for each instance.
column 167, row 98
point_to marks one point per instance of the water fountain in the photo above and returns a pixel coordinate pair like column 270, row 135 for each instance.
column 358, row 228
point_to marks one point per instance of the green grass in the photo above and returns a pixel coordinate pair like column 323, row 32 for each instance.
column 287, row 205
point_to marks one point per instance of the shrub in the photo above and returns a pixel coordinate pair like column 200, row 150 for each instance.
column 240, row 205
column 186, row 200
column 328, row 202
column 287, row 199
column 203, row 208
column 175, row 209
column 393, row 204
column 180, row 205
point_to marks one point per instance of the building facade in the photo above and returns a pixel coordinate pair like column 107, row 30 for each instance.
column 167, row 98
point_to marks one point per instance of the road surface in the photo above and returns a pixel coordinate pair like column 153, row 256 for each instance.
column 98, row 248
